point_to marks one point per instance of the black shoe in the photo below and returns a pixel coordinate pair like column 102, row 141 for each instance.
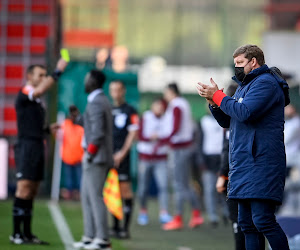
column 225, row 221
column 34, row 240
column 214, row 224
column 114, row 233
column 124, row 234
column 17, row 239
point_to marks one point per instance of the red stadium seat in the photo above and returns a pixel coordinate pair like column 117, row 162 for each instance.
column 12, row 89
column 39, row 6
column 10, row 131
column 11, row 157
column 39, row 31
column 16, row 6
column 37, row 49
column 14, row 71
column 9, row 114
column 15, row 30
column 14, row 48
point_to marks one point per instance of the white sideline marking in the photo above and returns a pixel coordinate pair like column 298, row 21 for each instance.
column 61, row 225
column 184, row 248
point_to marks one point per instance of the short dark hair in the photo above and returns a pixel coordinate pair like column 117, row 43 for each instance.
column 174, row 88
column 73, row 108
column 162, row 101
column 97, row 78
column 119, row 82
column 250, row 51
column 31, row 68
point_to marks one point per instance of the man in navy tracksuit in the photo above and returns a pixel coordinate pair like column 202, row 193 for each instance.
column 255, row 117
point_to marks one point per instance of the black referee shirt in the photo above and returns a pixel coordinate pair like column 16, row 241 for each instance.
column 125, row 119
column 30, row 115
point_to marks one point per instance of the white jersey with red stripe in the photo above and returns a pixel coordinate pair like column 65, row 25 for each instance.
column 184, row 135
column 151, row 125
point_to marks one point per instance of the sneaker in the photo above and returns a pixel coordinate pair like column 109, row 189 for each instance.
column 65, row 194
column 214, row 224
column 143, row 219
column 196, row 219
column 124, row 234
column 16, row 239
column 99, row 244
column 35, row 240
column 175, row 224
column 165, row 218
column 84, row 241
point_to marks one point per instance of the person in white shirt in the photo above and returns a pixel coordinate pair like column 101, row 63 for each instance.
column 291, row 203
column 179, row 126
column 152, row 159
column 209, row 160
column 292, row 136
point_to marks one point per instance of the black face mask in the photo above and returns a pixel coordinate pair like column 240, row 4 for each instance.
column 240, row 73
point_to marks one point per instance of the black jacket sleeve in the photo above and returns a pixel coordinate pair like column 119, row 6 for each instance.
column 222, row 118
column 200, row 156
column 224, row 166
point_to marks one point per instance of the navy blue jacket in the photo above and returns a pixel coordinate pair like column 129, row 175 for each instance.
column 255, row 116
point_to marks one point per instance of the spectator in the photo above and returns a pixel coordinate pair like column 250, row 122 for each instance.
column 292, row 137
column 102, row 58
column 179, row 127
column 291, row 202
column 71, row 154
column 210, row 148
column 119, row 58
column 152, row 160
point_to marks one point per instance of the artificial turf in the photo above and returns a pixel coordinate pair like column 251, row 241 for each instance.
column 73, row 215
column 150, row 237
column 42, row 226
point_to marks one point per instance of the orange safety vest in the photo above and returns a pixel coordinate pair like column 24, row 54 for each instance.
column 71, row 149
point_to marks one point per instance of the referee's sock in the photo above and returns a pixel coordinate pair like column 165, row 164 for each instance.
column 19, row 211
column 128, row 209
column 116, row 224
column 27, row 218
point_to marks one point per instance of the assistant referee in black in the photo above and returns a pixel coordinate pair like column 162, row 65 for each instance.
column 29, row 150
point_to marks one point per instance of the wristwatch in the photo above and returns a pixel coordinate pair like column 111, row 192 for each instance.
column 214, row 107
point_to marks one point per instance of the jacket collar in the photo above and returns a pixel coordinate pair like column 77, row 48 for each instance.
column 93, row 94
column 253, row 74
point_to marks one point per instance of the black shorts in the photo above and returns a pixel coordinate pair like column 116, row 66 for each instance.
column 29, row 156
column 124, row 169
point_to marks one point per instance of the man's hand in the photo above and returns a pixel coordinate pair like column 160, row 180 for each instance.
column 54, row 127
column 220, row 185
column 207, row 91
column 154, row 137
column 211, row 102
column 61, row 65
column 89, row 157
column 92, row 150
column 118, row 158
